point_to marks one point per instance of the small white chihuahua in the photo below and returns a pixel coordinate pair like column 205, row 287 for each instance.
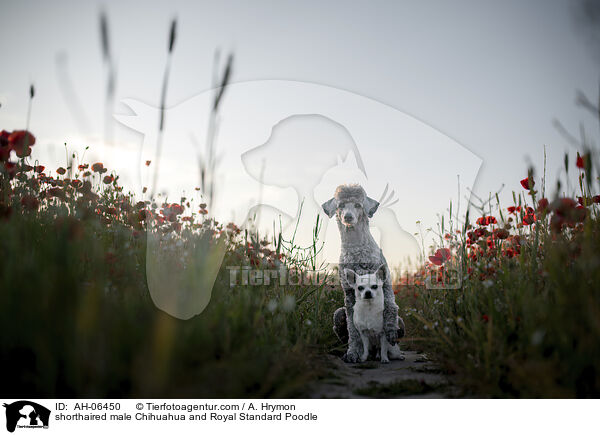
column 368, row 313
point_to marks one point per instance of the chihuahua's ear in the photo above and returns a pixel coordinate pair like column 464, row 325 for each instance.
column 381, row 273
column 329, row 207
column 350, row 276
column 370, row 206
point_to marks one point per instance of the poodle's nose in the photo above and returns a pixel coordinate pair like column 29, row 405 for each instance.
column 368, row 295
column 348, row 217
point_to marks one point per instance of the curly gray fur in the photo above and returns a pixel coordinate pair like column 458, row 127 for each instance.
column 361, row 254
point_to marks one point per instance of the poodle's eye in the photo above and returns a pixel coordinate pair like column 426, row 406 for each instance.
column 374, row 287
column 341, row 205
column 358, row 205
column 360, row 288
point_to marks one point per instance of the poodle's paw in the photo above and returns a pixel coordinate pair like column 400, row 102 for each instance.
column 364, row 357
column 395, row 353
column 351, row 356
column 392, row 336
column 401, row 328
column 385, row 361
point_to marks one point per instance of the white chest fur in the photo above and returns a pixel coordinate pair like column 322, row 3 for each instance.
column 368, row 315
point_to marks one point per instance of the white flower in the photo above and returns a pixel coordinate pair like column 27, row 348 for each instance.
column 537, row 336
column 289, row 303
column 272, row 305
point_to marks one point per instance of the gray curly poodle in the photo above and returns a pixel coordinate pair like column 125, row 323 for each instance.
column 360, row 253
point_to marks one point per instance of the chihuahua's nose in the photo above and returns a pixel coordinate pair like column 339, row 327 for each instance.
column 368, row 295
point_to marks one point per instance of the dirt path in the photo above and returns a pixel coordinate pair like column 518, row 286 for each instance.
column 415, row 377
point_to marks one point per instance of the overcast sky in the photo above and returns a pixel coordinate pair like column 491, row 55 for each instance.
column 490, row 75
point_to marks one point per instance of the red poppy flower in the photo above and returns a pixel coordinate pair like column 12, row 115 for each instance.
column 61, row 171
column 148, row 162
column 203, row 211
column 11, row 169
column 83, row 167
column 440, row 257
column 4, row 138
column 21, row 141
column 580, row 162
column 30, row 202
column 98, row 167
column 76, row 183
column 596, row 199
column 542, row 204
column 5, row 147
column 203, row 206
column 39, row 169
column 525, row 182
column 108, row 179
column 501, row 233
column 485, row 318
column 513, row 209
column 529, row 218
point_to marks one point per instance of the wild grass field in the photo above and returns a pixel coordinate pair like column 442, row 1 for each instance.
column 77, row 319
column 514, row 312
column 76, row 315
column 525, row 322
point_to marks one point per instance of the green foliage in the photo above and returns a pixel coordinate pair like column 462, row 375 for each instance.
column 77, row 319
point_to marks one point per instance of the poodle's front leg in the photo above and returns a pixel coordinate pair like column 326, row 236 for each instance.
column 390, row 315
column 354, row 342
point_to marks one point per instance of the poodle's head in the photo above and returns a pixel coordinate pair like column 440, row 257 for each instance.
column 351, row 205
column 368, row 286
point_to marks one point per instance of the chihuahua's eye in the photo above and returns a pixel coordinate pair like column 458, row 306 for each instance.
column 360, row 288
column 358, row 205
column 374, row 287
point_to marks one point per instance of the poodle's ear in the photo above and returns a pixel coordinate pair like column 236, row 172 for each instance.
column 381, row 273
column 329, row 207
column 350, row 276
column 370, row 206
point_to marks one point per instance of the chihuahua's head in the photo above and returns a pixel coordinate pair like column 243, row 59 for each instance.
column 368, row 286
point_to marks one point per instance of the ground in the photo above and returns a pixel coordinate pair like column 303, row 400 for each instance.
column 415, row 377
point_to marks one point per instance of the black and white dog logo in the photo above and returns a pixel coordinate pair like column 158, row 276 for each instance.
column 26, row 414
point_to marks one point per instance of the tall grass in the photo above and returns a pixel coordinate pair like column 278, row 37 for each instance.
column 77, row 319
column 526, row 320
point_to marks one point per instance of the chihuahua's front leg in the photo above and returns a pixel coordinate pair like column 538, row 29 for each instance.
column 365, row 342
column 384, row 349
